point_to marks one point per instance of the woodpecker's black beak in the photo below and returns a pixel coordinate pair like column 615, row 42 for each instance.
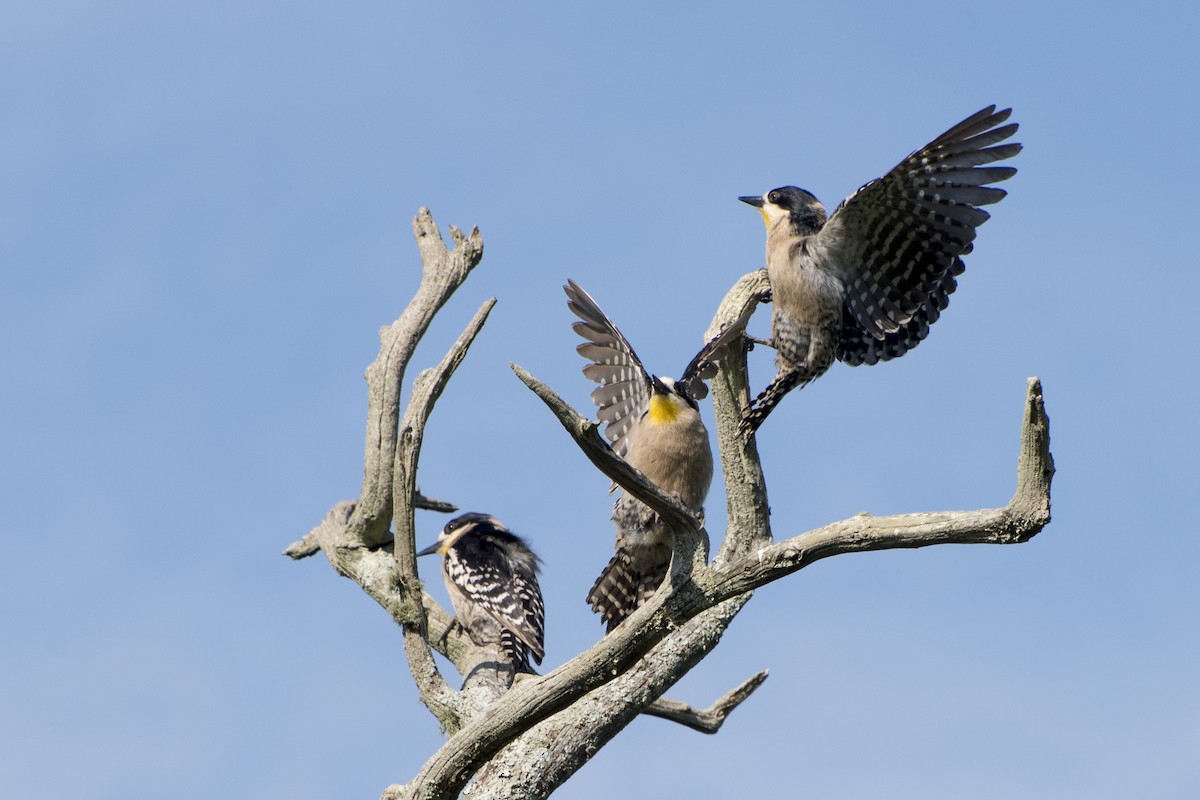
column 428, row 551
column 658, row 386
column 755, row 201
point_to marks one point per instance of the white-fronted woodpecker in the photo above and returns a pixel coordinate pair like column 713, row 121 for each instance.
column 654, row 424
column 491, row 577
column 865, row 285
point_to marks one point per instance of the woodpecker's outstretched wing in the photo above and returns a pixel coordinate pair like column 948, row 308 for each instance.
column 506, row 589
column 704, row 366
column 896, row 242
column 624, row 392
column 856, row 346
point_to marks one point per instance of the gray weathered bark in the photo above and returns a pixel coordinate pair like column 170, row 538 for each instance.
column 541, row 729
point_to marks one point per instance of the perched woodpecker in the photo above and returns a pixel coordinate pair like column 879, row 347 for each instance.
column 491, row 576
column 654, row 424
column 865, row 285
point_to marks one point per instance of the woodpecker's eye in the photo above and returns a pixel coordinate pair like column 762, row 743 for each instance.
column 775, row 196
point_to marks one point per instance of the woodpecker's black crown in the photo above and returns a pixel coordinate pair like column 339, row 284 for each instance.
column 483, row 523
column 793, row 198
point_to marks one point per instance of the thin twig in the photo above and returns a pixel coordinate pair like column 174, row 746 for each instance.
column 430, row 504
column 707, row 720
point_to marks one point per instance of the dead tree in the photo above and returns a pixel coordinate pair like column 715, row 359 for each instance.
column 541, row 729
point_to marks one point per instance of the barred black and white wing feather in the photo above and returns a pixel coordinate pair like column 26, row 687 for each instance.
column 896, row 243
column 856, row 346
column 703, row 366
column 624, row 392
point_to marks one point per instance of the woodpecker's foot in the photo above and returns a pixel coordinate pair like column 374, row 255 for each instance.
column 454, row 623
column 753, row 340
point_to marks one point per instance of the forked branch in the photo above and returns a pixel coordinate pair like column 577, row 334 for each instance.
column 443, row 270
column 1026, row 514
column 436, row 694
column 707, row 720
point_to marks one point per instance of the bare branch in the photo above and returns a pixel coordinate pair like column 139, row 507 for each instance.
column 430, row 504
column 355, row 535
column 374, row 569
column 309, row 545
column 443, row 270
column 427, row 388
column 751, row 290
column 1025, row 515
column 530, row 702
column 587, row 435
column 538, row 762
column 435, row 693
column 708, row 720
column 1035, row 467
column 749, row 516
column 690, row 540
column 303, row 548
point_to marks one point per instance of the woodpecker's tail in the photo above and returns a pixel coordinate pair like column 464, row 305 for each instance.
column 765, row 403
column 630, row 578
column 516, row 650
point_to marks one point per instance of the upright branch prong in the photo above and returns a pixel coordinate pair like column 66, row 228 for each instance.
column 1025, row 515
column 427, row 388
column 443, row 270
column 747, row 510
column 355, row 536
column 1035, row 467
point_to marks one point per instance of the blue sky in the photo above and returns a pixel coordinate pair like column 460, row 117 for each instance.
column 205, row 218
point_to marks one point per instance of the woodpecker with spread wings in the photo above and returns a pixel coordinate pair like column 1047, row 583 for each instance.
column 865, row 285
column 654, row 424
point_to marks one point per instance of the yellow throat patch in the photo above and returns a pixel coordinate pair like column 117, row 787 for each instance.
column 664, row 408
